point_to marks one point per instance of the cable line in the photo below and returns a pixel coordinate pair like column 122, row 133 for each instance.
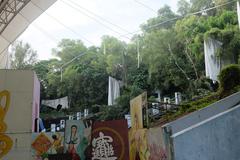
column 58, row 21
column 100, row 17
column 146, row 6
column 96, row 20
column 180, row 17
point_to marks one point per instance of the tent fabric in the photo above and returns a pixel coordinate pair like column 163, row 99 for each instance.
column 54, row 103
column 19, row 23
column 212, row 61
column 238, row 13
column 113, row 90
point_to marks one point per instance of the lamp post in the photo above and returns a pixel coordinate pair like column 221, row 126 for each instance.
column 67, row 63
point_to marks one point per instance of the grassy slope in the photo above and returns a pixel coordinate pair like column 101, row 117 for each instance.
column 190, row 107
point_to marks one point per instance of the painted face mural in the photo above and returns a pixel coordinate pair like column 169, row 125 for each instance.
column 5, row 141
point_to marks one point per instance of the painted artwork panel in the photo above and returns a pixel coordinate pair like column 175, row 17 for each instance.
column 44, row 144
column 138, row 144
column 110, row 140
column 136, row 106
column 77, row 139
column 156, row 144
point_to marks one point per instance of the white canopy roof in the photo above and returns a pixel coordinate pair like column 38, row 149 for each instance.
column 15, row 17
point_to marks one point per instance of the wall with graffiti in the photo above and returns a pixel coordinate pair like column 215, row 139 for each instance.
column 18, row 94
column 5, row 141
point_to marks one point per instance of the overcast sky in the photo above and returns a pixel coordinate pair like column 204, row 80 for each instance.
column 65, row 19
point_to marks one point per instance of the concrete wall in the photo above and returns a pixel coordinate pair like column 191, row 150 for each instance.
column 21, row 149
column 216, row 138
column 203, row 114
column 23, row 88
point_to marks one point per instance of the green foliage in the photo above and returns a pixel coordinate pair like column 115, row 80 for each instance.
column 22, row 56
column 165, row 13
column 230, row 77
column 171, row 60
column 184, row 7
column 68, row 49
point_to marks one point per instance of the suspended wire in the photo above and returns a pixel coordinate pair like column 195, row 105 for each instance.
column 150, row 27
column 53, row 39
column 181, row 17
column 40, row 29
column 96, row 20
column 100, row 17
column 59, row 22
column 146, row 6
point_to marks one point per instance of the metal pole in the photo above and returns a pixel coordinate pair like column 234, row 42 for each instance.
column 61, row 74
column 138, row 52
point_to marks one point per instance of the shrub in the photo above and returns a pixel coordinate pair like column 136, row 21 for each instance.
column 229, row 77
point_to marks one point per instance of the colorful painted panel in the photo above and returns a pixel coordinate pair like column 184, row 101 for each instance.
column 136, row 106
column 44, row 144
column 138, row 145
column 156, row 144
column 110, row 140
column 77, row 139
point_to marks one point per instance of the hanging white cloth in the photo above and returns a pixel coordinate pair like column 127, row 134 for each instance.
column 212, row 61
column 238, row 13
column 113, row 90
column 56, row 102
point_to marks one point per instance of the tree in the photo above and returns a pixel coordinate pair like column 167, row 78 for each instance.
column 161, row 21
column 184, row 7
column 201, row 4
column 48, row 72
column 22, row 56
column 67, row 49
column 115, row 55
column 171, row 55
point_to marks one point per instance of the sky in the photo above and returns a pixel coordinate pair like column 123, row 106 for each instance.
column 88, row 20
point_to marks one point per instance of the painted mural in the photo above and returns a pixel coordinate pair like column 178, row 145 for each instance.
column 136, row 106
column 138, row 150
column 110, row 140
column 138, row 145
column 77, row 139
column 5, row 141
column 44, row 144
column 156, row 144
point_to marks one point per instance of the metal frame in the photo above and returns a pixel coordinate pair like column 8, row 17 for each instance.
column 8, row 10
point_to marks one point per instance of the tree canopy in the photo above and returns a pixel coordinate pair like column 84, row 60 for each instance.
column 171, row 48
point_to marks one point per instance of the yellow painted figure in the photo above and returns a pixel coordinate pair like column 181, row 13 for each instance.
column 5, row 141
column 57, row 143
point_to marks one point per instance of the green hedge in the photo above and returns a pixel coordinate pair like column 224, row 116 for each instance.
column 229, row 77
